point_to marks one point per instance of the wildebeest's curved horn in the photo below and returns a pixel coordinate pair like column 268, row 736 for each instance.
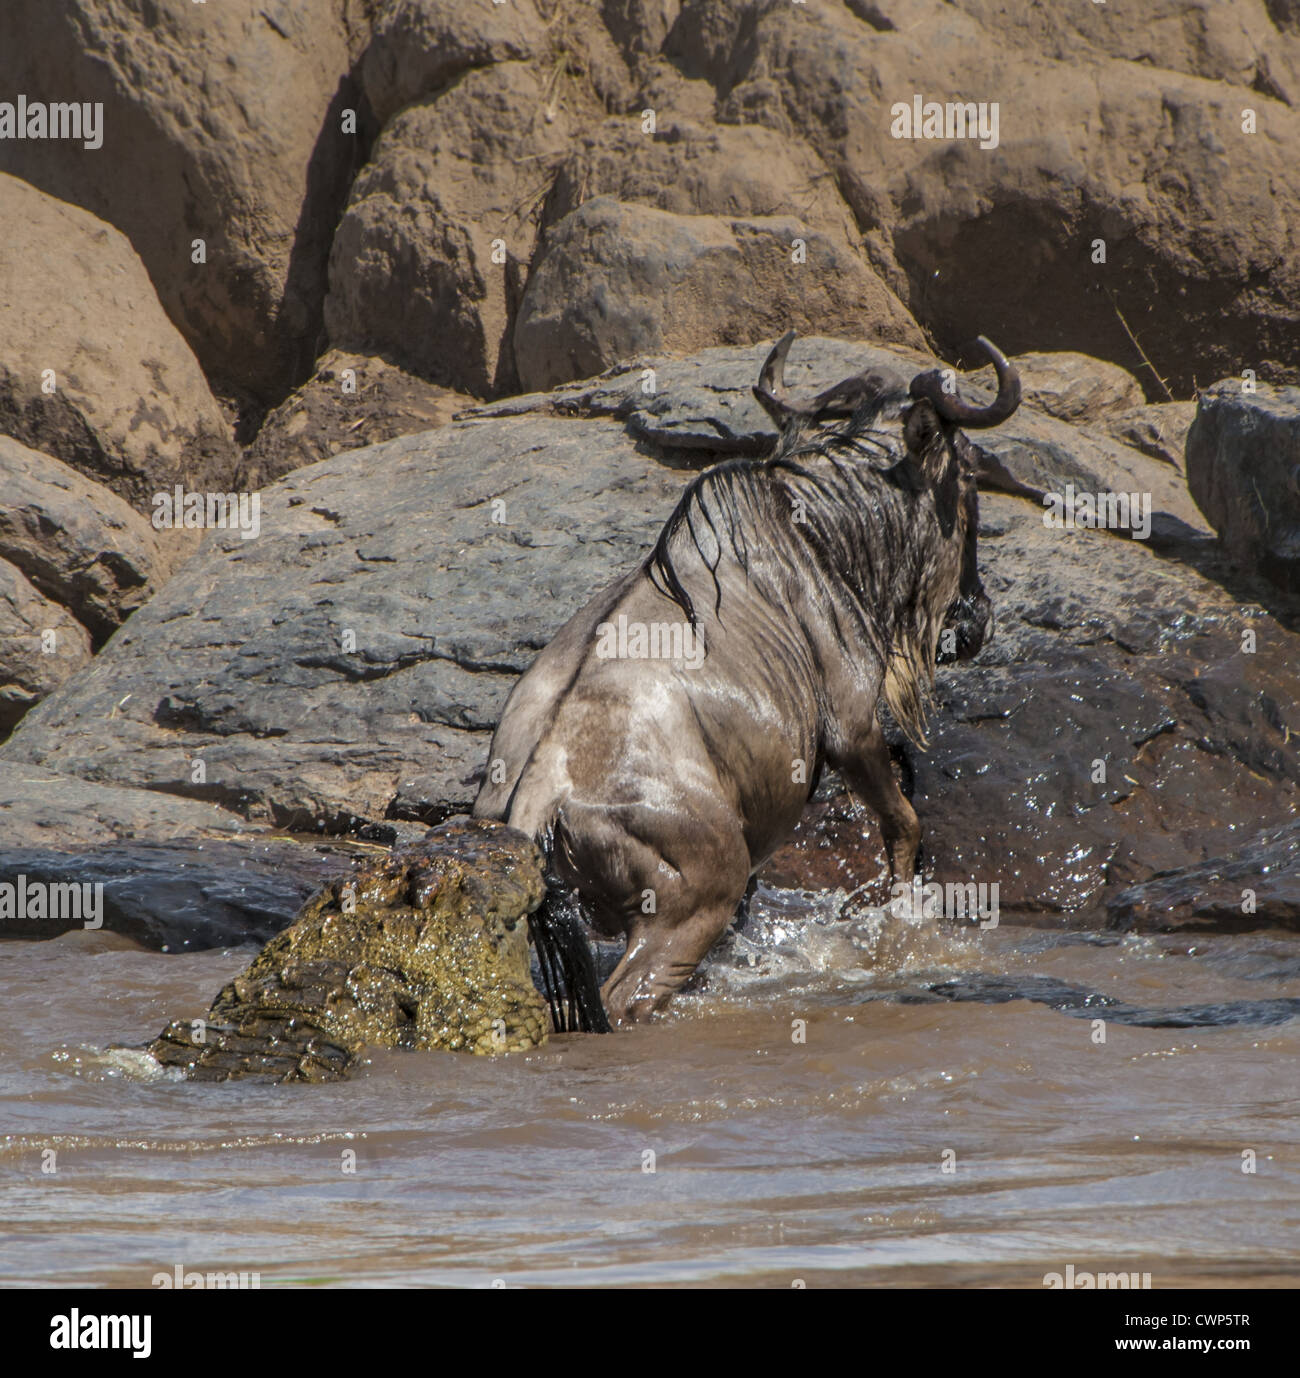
column 770, row 388
column 951, row 407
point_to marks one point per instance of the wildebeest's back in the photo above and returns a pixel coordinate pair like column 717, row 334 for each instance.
column 585, row 738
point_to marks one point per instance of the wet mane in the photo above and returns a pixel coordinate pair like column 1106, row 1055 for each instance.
column 861, row 533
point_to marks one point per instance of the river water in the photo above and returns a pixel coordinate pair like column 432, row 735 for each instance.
column 791, row 1119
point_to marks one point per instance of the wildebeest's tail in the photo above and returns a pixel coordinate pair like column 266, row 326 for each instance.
column 568, row 968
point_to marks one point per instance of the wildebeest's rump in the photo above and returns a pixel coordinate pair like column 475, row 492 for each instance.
column 666, row 741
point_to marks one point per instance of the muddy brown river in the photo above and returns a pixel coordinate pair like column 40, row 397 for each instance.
column 841, row 1102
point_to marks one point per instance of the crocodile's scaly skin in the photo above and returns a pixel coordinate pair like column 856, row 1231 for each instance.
column 425, row 948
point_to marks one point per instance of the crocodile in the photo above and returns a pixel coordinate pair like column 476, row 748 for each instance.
column 426, row 947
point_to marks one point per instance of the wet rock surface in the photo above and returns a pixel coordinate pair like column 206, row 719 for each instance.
column 426, row 949
column 1243, row 469
column 1255, row 885
column 1084, row 1004
column 174, row 896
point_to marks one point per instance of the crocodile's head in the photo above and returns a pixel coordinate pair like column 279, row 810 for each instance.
column 423, row 948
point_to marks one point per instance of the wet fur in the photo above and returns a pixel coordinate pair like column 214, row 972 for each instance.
column 647, row 778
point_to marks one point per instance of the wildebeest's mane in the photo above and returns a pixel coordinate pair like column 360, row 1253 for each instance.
column 742, row 510
column 734, row 494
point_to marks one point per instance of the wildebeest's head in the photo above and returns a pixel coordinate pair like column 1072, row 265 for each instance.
column 936, row 452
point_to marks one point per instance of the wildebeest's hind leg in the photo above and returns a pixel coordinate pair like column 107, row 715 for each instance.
column 693, row 908
column 867, row 771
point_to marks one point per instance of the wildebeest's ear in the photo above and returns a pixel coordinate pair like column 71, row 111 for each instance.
column 923, row 436
column 928, row 449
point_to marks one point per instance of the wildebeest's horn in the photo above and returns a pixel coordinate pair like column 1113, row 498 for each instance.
column 770, row 389
column 951, row 407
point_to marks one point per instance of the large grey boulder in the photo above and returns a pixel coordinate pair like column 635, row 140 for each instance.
column 1243, row 469
column 371, row 631
column 1117, row 726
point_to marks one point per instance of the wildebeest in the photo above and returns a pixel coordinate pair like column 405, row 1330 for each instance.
column 666, row 741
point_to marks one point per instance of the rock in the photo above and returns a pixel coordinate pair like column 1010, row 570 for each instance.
column 1158, row 429
column 1197, row 217
column 177, row 874
column 639, row 27
column 1104, row 650
column 412, row 275
column 688, row 168
column 590, row 75
column 221, row 122
column 705, row 403
column 1041, row 455
column 616, row 280
column 424, row 949
column 1201, row 39
column 175, row 896
column 129, row 406
column 1243, row 469
column 1113, row 728
column 1257, row 886
column 418, row 48
column 41, row 645
column 79, row 544
column 1072, row 387
column 240, row 660
column 321, row 418
column 45, row 812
